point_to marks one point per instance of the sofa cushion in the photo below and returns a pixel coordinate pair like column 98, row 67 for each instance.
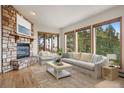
column 76, row 56
column 52, row 54
column 86, row 57
column 83, row 64
column 70, row 54
column 68, row 60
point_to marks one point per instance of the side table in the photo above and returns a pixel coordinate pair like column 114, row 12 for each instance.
column 110, row 72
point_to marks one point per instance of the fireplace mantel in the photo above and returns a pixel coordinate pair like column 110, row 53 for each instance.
column 17, row 36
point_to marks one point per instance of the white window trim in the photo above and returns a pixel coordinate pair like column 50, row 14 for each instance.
column 76, row 41
column 94, row 41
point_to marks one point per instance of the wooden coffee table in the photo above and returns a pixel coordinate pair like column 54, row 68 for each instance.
column 58, row 71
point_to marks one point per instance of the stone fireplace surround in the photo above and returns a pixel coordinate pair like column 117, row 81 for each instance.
column 9, row 41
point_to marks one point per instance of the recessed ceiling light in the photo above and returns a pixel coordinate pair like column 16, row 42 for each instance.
column 33, row 13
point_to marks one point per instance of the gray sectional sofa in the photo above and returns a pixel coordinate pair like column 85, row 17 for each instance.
column 88, row 63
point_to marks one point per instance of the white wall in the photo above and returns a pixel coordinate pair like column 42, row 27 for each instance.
column 0, row 39
column 41, row 29
column 106, row 15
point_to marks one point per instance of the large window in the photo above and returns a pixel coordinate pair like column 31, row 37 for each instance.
column 108, row 38
column 104, row 39
column 48, row 41
column 70, row 40
column 84, row 39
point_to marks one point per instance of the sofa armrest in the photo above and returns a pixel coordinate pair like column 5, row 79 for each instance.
column 101, row 63
column 98, row 67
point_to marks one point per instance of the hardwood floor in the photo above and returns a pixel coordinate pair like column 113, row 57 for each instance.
column 118, row 83
column 36, row 76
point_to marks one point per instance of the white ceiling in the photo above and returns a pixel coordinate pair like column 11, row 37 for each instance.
column 59, row 16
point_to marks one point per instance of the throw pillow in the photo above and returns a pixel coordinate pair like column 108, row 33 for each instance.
column 86, row 57
column 70, row 54
column 76, row 56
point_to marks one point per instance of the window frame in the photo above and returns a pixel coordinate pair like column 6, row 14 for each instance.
column 45, row 36
column 84, row 28
column 65, row 36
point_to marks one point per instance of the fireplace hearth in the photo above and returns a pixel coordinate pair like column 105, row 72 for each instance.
column 23, row 50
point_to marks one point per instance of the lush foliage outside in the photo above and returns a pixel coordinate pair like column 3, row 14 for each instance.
column 70, row 42
column 84, row 41
column 60, row 51
column 108, row 40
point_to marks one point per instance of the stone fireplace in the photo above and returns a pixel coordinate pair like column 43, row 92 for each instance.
column 23, row 50
column 14, row 46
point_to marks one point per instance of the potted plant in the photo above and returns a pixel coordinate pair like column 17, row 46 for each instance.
column 60, row 51
column 58, row 62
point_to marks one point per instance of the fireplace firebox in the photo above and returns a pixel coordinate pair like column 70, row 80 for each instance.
column 23, row 50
